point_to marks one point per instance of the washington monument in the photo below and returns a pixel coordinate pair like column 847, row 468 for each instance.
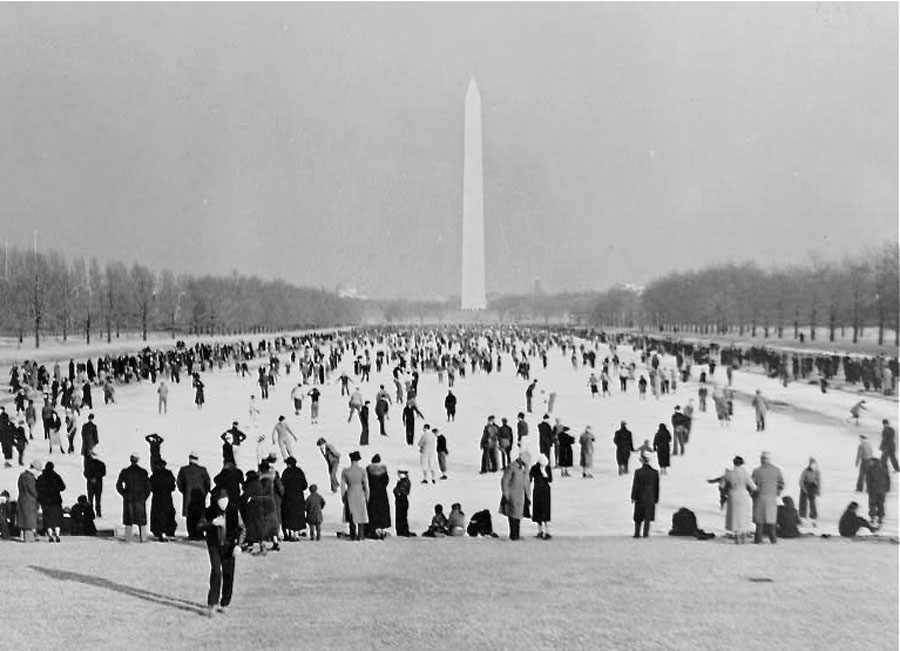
column 473, row 291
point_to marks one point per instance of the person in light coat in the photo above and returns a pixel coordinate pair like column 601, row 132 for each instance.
column 355, row 493
column 27, row 503
column 586, row 442
column 428, row 453
column 514, row 487
column 761, row 407
column 739, row 487
column 769, row 484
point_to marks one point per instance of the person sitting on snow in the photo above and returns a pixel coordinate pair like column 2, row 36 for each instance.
column 438, row 527
column 851, row 523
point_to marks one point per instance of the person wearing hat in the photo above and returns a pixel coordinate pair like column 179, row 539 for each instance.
column 332, row 459
column 193, row 484
column 586, row 445
column 133, row 485
column 490, row 444
column 355, row 494
column 624, row 443
column 89, row 438
column 514, row 498
column 50, row 487
column 864, row 455
column 364, row 423
column 644, row 495
column 221, row 528
column 738, row 486
column 769, row 483
column 27, row 502
column 162, row 510
column 94, row 472
column 402, row 489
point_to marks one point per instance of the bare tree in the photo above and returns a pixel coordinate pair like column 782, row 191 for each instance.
column 143, row 286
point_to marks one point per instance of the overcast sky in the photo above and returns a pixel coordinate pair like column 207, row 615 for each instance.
column 324, row 143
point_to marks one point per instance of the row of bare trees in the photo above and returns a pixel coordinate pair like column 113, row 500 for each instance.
column 44, row 293
column 862, row 290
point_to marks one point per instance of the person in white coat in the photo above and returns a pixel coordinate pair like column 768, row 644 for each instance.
column 739, row 488
column 428, row 453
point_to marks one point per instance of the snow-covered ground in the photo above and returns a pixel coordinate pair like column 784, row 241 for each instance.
column 803, row 423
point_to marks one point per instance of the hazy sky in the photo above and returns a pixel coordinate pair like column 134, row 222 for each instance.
column 323, row 143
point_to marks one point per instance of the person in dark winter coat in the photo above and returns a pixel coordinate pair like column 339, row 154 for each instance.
column 89, row 439
column 133, row 485
column 258, row 512
column 401, row 503
column 624, row 447
column 661, row 441
column 94, row 472
column 566, row 457
column 81, row 517
column 313, row 510
column 541, row 477
column 231, row 478
column 50, row 487
column 162, row 510
column 645, row 496
column 293, row 503
column 888, row 445
column 378, row 505
column 450, row 405
column 155, row 442
column 851, row 523
column 222, row 531
column 878, row 483
column 193, row 484
column 27, row 503
column 545, row 436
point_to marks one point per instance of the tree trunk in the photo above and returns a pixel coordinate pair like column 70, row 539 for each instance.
column 37, row 332
column 87, row 330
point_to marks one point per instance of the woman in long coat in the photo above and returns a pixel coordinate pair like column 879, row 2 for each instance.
column 739, row 485
column 541, row 476
column 162, row 509
column 49, row 494
column 293, row 503
column 661, row 442
column 273, row 489
column 355, row 493
column 378, row 506
column 27, row 504
column 566, row 457
column 254, row 507
column 514, row 493
column 586, row 442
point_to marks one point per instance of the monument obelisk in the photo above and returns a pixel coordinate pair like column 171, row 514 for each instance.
column 473, row 290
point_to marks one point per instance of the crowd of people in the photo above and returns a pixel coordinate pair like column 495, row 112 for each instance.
column 258, row 508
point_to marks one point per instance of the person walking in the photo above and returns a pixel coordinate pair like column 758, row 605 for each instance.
column 769, row 484
column 541, row 476
column 624, row 447
column 364, row 423
column 761, row 407
column 163, row 392
column 332, row 459
column 89, row 438
column 644, row 496
column 863, row 455
column 738, row 487
column 355, row 494
column 133, row 485
column 586, row 443
column 529, row 395
column 514, row 493
column 408, row 416
column 661, row 441
column 283, row 433
column 810, row 487
column 222, row 530
column 888, row 445
column 679, row 431
column 193, row 483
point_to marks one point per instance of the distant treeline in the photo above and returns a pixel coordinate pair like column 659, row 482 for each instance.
column 43, row 292
column 862, row 290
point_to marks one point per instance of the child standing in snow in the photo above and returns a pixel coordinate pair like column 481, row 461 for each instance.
column 314, row 505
